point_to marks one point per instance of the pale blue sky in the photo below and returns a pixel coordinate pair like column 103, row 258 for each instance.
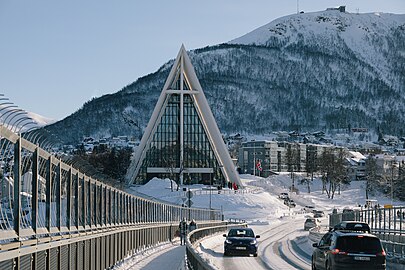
column 56, row 55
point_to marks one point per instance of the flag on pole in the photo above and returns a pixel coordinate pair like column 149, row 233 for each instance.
column 259, row 165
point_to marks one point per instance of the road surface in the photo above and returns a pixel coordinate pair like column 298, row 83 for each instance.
column 282, row 245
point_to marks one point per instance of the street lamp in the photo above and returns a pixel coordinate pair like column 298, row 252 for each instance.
column 210, row 188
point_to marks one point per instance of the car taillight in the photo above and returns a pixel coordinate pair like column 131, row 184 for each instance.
column 337, row 251
column 382, row 253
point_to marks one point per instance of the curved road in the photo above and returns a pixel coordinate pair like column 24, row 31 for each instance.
column 281, row 246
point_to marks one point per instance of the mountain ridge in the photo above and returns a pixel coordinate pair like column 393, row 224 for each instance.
column 313, row 83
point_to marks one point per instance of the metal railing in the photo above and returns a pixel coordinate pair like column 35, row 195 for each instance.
column 53, row 216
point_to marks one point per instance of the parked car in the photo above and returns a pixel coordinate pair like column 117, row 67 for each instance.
column 241, row 241
column 289, row 202
column 348, row 249
column 311, row 223
column 283, row 196
column 319, row 214
column 309, row 208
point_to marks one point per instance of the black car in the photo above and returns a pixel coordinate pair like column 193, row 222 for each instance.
column 318, row 214
column 289, row 202
column 240, row 241
column 348, row 249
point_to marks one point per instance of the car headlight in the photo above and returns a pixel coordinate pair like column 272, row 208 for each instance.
column 253, row 242
column 228, row 241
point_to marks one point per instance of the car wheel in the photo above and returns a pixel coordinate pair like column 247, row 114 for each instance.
column 255, row 255
column 225, row 254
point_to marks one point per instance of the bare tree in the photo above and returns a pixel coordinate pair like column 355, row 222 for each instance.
column 334, row 170
column 293, row 161
column 170, row 162
column 311, row 166
column 340, row 175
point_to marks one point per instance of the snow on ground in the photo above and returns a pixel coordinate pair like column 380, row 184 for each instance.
column 351, row 195
column 250, row 204
column 165, row 256
column 259, row 200
column 257, row 203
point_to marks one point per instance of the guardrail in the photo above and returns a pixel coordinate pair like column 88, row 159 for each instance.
column 53, row 216
column 194, row 260
column 223, row 191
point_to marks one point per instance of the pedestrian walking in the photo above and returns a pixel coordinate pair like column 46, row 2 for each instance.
column 183, row 231
column 193, row 225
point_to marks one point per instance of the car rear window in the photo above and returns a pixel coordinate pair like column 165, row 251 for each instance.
column 359, row 243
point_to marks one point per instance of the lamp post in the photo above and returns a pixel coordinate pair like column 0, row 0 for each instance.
column 210, row 188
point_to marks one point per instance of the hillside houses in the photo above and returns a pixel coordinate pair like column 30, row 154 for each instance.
column 89, row 143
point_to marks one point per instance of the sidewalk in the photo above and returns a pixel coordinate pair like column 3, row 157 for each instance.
column 166, row 256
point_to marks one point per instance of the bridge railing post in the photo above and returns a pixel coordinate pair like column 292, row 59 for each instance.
column 34, row 183
column 48, row 193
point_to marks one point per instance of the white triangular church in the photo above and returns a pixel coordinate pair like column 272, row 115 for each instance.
column 182, row 140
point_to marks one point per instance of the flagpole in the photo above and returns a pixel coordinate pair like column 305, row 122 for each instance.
column 254, row 159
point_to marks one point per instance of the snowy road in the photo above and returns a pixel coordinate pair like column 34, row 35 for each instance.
column 283, row 245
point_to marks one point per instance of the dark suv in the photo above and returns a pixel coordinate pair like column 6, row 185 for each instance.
column 354, row 248
column 240, row 241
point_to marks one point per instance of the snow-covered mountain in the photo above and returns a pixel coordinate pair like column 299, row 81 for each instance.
column 311, row 71
column 363, row 35
column 40, row 120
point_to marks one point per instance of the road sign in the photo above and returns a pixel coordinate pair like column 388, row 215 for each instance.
column 189, row 203
column 189, row 194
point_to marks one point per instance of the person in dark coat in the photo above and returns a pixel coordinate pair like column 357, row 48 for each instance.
column 183, row 231
column 192, row 226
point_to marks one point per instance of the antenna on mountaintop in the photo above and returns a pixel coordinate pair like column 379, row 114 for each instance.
column 298, row 9
column 357, row 10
